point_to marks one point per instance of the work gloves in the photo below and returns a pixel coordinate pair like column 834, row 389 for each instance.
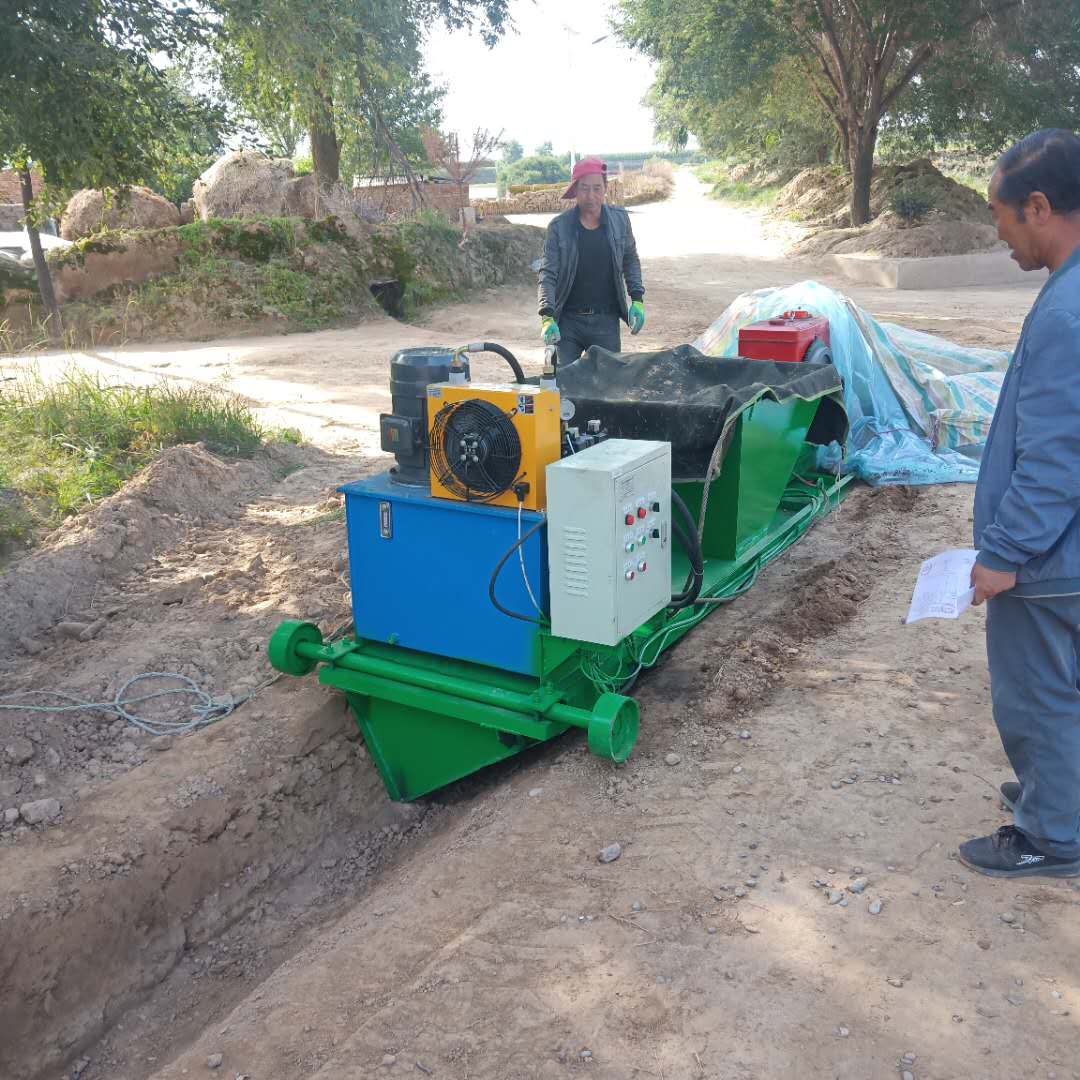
column 549, row 328
column 636, row 317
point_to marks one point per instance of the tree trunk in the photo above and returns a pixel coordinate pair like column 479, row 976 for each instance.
column 325, row 152
column 45, row 286
column 861, row 165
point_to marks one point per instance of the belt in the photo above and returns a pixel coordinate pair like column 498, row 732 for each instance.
column 591, row 311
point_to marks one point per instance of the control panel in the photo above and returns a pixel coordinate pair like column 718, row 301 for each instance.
column 609, row 539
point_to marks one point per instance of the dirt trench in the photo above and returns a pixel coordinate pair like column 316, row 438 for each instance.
column 155, row 846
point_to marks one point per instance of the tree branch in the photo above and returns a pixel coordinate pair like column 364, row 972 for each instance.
column 809, row 40
column 834, row 44
column 918, row 59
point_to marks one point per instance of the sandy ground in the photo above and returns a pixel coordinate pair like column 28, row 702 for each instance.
column 248, row 892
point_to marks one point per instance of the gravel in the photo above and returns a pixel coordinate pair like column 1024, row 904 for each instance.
column 875, row 907
column 19, row 751
column 609, row 853
column 672, row 759
column 34, row 813
column 214, row 1061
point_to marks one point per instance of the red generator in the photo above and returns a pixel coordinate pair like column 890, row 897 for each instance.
column 789, row 338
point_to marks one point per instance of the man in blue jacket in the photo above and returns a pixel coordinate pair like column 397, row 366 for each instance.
column 1027, row 522
column 590, row 263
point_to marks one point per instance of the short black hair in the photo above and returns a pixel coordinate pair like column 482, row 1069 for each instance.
column 1046, row 161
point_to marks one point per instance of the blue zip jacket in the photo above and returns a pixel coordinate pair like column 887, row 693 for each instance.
column 1027, row 499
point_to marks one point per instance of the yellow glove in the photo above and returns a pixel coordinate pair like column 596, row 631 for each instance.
column 549, row 328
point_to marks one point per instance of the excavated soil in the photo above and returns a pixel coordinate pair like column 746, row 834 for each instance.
column 818, row 198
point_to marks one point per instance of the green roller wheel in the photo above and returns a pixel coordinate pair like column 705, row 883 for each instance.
column 613, row 728
column 283, row 643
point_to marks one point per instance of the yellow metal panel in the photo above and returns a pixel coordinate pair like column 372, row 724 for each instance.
column 534, row 414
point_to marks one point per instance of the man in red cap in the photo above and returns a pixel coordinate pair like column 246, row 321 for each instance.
column 590, row 263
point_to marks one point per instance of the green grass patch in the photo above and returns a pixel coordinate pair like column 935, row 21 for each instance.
column 740, row 192
column 711, row 172
column 69, row 443
column 744, row 193
column 977, row 183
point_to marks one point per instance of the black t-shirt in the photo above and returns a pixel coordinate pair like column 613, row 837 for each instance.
column 594, row 287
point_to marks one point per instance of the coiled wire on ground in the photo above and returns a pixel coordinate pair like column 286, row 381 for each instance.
column 205, row 709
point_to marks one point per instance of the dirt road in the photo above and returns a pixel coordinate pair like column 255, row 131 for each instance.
column 243, row 902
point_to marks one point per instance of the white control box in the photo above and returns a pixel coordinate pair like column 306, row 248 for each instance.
column 609, row 539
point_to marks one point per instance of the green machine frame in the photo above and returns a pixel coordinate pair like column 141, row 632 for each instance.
column 428, row 720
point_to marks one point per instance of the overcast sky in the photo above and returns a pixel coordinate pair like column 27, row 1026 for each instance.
column 537, row 89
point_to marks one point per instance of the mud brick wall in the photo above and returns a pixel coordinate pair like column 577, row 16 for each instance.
column 10, row 190
column 397, row 198
column 623, row 190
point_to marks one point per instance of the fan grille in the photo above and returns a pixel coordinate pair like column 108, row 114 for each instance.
column 475, row 450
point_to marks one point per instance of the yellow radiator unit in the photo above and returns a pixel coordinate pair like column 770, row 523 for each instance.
column 486, row 440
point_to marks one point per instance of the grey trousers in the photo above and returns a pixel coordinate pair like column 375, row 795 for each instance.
column 580, row 331
column 1032, row 646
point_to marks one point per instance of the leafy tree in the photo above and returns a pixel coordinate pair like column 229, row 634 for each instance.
column 545, row 149
column 512, row 151
column 349, row 70
column 539, row 169
column 989, row 68
column 194, row 147
column 85, row 101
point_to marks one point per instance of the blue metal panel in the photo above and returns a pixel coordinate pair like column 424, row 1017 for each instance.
column 420, row 570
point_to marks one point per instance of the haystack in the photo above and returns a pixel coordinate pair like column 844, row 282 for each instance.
column 243, row 184
column 89, row 211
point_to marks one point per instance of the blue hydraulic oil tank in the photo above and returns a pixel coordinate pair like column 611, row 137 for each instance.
column 421, row 567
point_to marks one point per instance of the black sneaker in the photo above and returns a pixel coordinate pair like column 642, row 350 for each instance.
column 1010, row 794
column 1009, row 854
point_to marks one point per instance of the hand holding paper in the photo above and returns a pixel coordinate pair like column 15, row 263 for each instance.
column 989, row 583
column 943, row 588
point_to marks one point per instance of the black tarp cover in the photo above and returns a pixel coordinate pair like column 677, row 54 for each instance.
column 690, row 400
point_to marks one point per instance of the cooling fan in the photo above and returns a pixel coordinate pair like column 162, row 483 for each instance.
column 475, row 450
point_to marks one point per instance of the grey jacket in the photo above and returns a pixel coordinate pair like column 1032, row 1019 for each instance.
column 559, row 264
column 1027, row 499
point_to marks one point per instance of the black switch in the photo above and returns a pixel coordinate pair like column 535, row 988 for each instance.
column 656, row 534
column 656, row 508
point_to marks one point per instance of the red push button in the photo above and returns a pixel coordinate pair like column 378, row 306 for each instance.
column 641, row 511
column 629, row 519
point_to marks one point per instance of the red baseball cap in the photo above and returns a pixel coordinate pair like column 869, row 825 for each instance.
column 589, row 166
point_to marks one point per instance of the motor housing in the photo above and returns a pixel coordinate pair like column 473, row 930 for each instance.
column 403, row 432
column 788, row 338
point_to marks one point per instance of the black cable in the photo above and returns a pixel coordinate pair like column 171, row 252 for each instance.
column 694, row 577
column 498, row 569
column 691, row 541
column 693, row 569
column 508, row 356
